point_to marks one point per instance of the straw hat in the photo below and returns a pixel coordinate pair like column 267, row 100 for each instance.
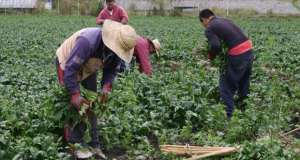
column 156, row 44
column 119, row 38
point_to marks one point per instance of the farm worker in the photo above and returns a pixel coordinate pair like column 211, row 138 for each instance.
column 240, row 59
column 112, row 12
column 80, row 58
column 142, row 50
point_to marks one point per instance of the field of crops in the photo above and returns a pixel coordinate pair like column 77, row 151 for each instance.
column 178, row 104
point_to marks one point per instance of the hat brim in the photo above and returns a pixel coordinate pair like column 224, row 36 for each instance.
column 154, row 47
column 109, row 36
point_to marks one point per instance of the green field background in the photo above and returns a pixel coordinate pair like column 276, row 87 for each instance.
column 178, row 104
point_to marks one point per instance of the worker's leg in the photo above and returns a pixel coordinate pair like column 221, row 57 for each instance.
column 244, row 83
column 228, row 83
column 76, row 135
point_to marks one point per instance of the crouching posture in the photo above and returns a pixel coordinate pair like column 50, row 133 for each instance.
column 79, row 59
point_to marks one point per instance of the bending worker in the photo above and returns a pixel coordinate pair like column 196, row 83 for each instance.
column 79, row 59
column 240, row 59
column 142, row 51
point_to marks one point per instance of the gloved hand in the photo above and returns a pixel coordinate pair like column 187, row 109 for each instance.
column 210, row 57
column 106, row 88
column 77, row 100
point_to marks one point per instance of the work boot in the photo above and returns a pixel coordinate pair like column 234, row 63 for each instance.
column 97, row 153
column 225, row 119
column 83, row 155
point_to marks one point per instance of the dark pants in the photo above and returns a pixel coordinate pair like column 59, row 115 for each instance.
column 76, row 135
column 237, row 77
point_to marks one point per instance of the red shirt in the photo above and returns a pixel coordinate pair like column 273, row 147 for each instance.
column 141, row 51
column 118, row 13
column 241, row 48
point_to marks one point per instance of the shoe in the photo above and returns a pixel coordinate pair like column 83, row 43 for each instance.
column 97, row 153
column 226, row 118
column 83, row 155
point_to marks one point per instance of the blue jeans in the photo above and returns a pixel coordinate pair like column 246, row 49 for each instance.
column 124, row 65
column 237, row 77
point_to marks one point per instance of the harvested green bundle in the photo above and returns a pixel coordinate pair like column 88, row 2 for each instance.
column 94, row 100
column 86, row 110
column 63, row 112
column 220, row 60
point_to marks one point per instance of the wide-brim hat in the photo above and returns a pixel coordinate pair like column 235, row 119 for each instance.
column 120, row 38
column 156, row 44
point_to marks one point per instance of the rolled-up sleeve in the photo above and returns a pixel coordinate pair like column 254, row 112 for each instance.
column 101, row 18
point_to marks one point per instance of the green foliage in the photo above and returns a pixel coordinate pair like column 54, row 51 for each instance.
column 296, row 4
column 180, row 100
column 96, row 8
column 176, row 12
column 264, row 148
column 63, row 112
column 270, row 12
column 222, row 12
column 39, row 7
column 162, row 4
column 132, row 8
column 221, row 58
column 11, row 10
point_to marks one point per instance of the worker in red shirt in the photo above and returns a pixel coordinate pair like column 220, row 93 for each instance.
column 142, row 51
column 144, row 46
column 112, row 12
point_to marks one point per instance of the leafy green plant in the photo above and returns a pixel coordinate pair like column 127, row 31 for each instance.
column 296, row 4
column 161, row 7
column 39, row 7
column 132, row 8
column 11, row 10
column 176, row 12
column 95, row 9
column 179, row 103
column 270, row 12
column 62, row 109
column 264, row 149
column 221, row 59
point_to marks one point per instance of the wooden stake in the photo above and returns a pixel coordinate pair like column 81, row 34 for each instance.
column 297, row 129
column 212, row 154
